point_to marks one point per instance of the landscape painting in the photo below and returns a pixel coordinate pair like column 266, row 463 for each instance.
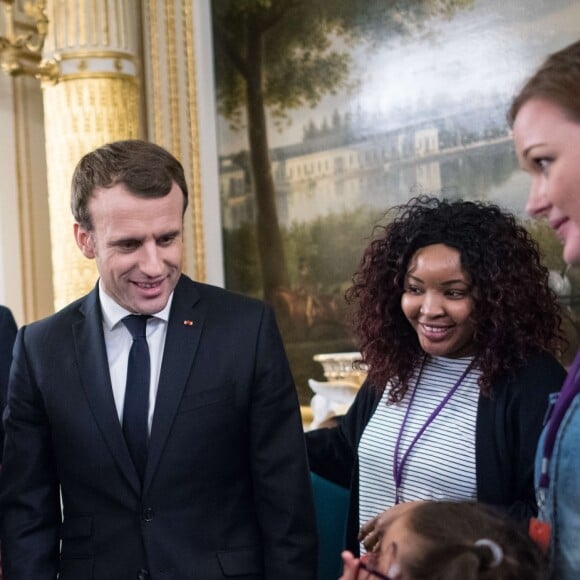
column 332, row 111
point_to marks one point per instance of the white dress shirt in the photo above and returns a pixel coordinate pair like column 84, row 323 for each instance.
column 118, row 341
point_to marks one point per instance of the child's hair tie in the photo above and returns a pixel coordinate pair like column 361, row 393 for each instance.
column 495, row 549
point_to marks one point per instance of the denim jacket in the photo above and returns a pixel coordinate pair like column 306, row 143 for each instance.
column 561, row 507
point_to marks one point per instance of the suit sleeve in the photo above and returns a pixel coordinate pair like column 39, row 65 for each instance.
column 8, row 331
column 332, row 452
column 7, row 335
column 279, row 466
column 29, row 493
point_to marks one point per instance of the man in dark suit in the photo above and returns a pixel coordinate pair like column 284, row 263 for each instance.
column 7, row 335
column 220, row 486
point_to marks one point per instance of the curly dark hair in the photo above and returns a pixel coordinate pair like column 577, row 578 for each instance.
column 515, row 312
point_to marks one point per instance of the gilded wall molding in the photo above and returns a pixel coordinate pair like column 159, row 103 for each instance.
column 172, row 121
column 172, row 85
column 76, row 54
column 194, row 144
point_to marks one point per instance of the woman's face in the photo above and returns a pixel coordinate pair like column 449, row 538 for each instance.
column 438, row 301
column 548, row 148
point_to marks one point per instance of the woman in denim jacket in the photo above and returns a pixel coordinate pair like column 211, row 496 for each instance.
column 545, row 117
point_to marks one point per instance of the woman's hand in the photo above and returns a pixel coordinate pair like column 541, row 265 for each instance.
column 351, row 567
column 371, row 532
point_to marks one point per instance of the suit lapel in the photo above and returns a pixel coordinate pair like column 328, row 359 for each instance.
column 183, row 334
column 96, row 380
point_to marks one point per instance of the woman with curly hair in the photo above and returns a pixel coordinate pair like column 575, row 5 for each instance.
column 458, row 329
column 442, row 540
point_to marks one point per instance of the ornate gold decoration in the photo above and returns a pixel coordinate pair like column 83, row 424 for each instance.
column 155, row 64
column 200, row 271
column 172, row 112
column 20, row 52
column 172, row 78
column 99, row 53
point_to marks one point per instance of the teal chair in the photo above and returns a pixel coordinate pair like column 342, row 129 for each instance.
column 331, row 507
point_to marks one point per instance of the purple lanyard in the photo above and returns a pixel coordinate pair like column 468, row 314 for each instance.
column 569, row 390
column 398, row 466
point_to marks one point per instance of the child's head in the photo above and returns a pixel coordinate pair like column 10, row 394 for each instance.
column 456, row 541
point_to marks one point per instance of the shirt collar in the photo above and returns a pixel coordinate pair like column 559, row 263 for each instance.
column 113, row 313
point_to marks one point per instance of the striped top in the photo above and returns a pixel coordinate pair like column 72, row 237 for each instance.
column 441, row 465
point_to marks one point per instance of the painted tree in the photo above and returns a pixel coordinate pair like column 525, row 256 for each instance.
column 279, row 55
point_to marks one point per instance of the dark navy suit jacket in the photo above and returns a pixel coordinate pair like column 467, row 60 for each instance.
column 226, row 491
column 7, row 335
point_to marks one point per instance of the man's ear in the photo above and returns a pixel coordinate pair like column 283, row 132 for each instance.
column 84, row 241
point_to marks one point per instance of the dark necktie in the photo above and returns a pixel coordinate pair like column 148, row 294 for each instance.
column 136, row 409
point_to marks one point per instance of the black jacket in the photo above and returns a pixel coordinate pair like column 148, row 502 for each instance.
column 7, row 335
column 508, row 427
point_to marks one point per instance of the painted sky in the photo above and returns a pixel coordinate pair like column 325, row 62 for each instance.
column 490, row 48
